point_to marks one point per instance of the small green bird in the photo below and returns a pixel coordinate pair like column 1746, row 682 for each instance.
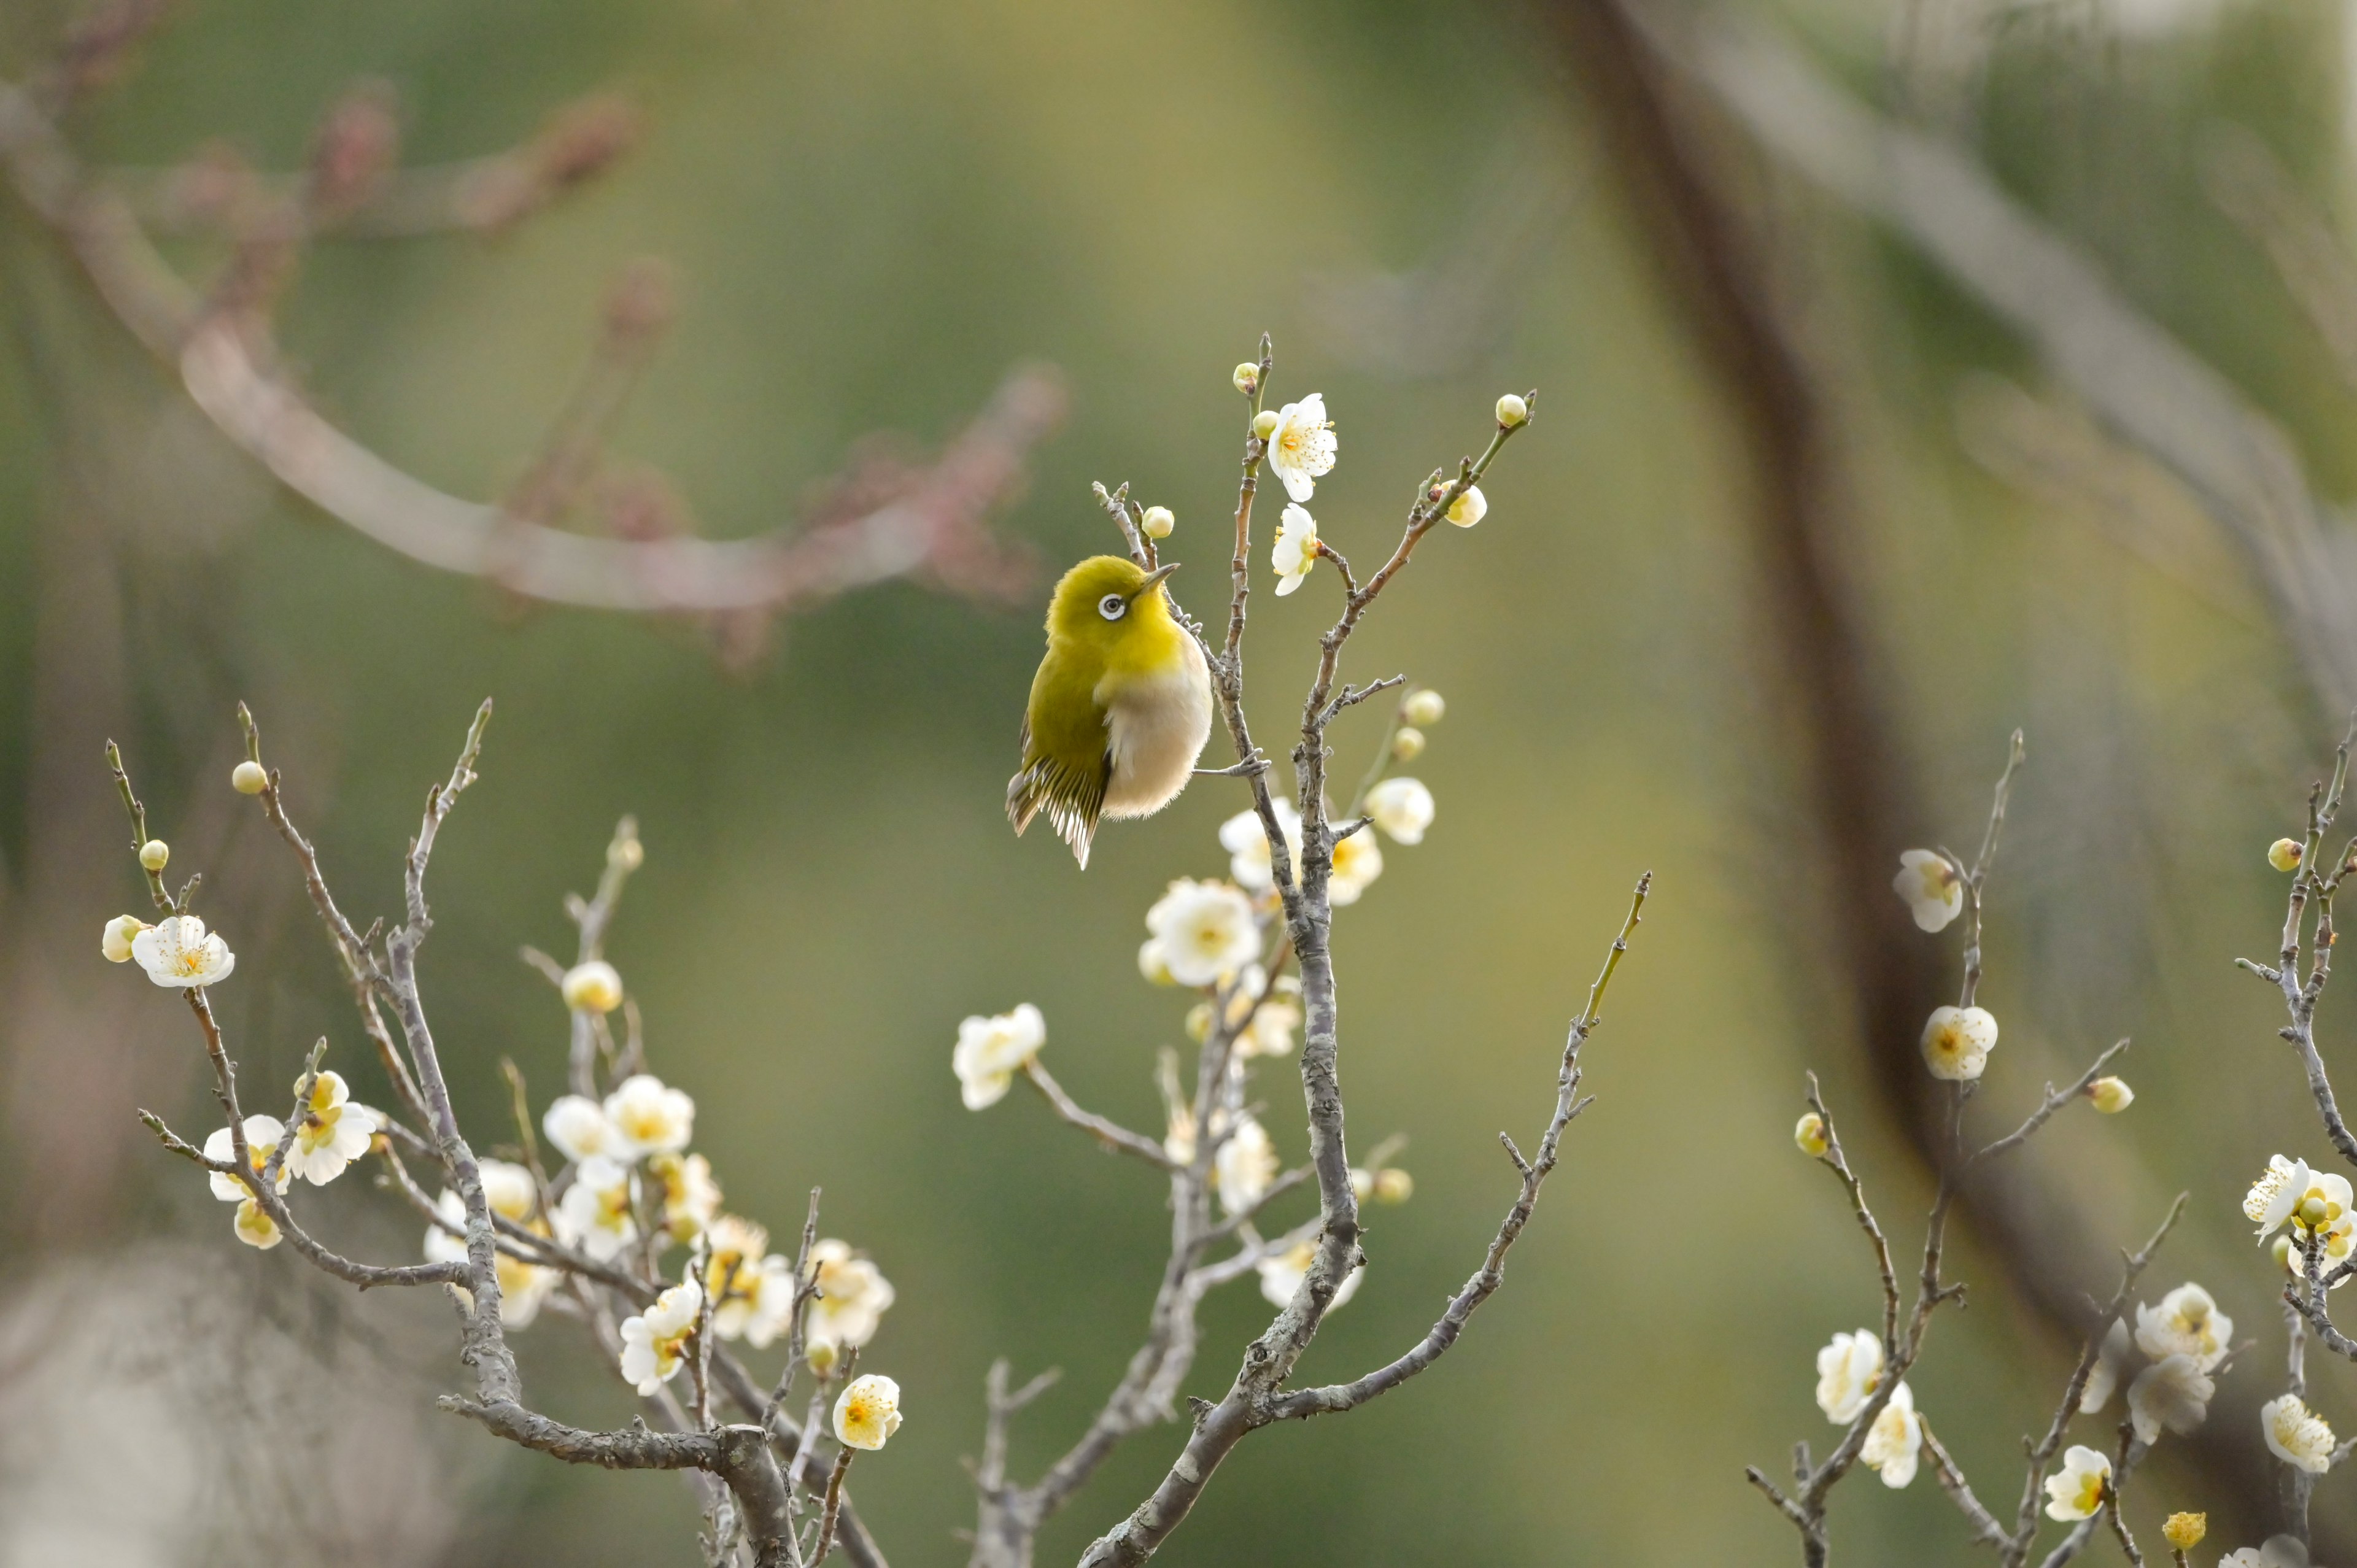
column 1120, row 708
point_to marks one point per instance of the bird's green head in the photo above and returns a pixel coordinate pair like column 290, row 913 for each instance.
column 1108, row 599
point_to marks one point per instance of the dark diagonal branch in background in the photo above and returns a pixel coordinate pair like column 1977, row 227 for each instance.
column 888, row 520
column 1650, row 87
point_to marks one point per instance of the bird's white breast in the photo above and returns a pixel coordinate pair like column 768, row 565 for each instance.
column 1158, row 726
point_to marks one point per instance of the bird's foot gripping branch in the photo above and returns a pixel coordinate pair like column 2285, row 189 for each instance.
column 1124, row 700
column 579, row 1226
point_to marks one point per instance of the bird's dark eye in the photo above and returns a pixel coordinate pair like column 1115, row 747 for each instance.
column 1113, row 606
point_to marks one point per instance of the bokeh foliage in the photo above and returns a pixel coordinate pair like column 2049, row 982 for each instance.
column 873, row 212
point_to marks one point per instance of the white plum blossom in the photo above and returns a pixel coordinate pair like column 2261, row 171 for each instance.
column 2338, row 1243
column 869, row 1413
column 2316, row 1203
column 596, row 1214
column 2186, row 1323
column 1281, row 1274
column 1895, row 1442
column 2173, row 1392
column 1265, row 1030
column 737, row 1250
column 1151, row 965
column 177, row 953
column 853, row 1295
column 1401, row 807
column 1247, row 841
column 262, row 1135
column 1245, row 1166
column 254, row 1227
column 1270, row 1032
column 691, row 1196
column 1848, row 1371
column 1357, row 861
column 647, row 1118
column 1957, row 1041
column 577, row 1125
column 592, row 987
column 1301, row 447
column 2295, row 1434
column 115, row 942
column 2272, row 1197
column 2279, row 1551
column 991, row 1051
column 654, row 1343
column 1470, row 507
column 767, row 1301
column 1933, row 887
column 334, row 1132
column 2076, row 1491
column 2103, row 1378
column 1206, row 930
column 1295, row 549
column 510, row 1192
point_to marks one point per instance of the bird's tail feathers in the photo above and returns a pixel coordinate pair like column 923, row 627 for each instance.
column 1044, row 787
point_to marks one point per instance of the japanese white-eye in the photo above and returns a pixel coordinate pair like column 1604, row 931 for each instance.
column 1120, row 709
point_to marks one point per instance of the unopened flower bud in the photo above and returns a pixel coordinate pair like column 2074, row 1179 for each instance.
column 2312, row 1212
column 155, row 853
column 249, row 778
column 1199, row 1022
column 1810, row 1134
column 593, row 987
column 1470, row 507
column 1247, row 378
column 626, row 852
column 2281, row 1248
column 116, row 944
column 2284, row 855
column 2111, row 1095
column 2185, row 1530
column 1394, row 1185
column 1157, row 523
column 1513, row 410
column 1407, row 743
column 1265, row 422
column 1423, row 707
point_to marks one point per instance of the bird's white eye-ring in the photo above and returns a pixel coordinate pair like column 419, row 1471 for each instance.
column 1113, row 606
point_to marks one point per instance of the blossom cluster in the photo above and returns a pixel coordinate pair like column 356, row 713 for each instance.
column 629, row 1189
column 1223, row 940
column 1301, row 446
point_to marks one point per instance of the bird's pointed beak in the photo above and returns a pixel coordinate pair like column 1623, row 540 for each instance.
column 1151, row 579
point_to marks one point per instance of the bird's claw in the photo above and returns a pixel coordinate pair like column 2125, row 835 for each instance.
column 1250, row 768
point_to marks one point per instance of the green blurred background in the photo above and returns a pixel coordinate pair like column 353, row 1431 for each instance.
column 873, row 211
